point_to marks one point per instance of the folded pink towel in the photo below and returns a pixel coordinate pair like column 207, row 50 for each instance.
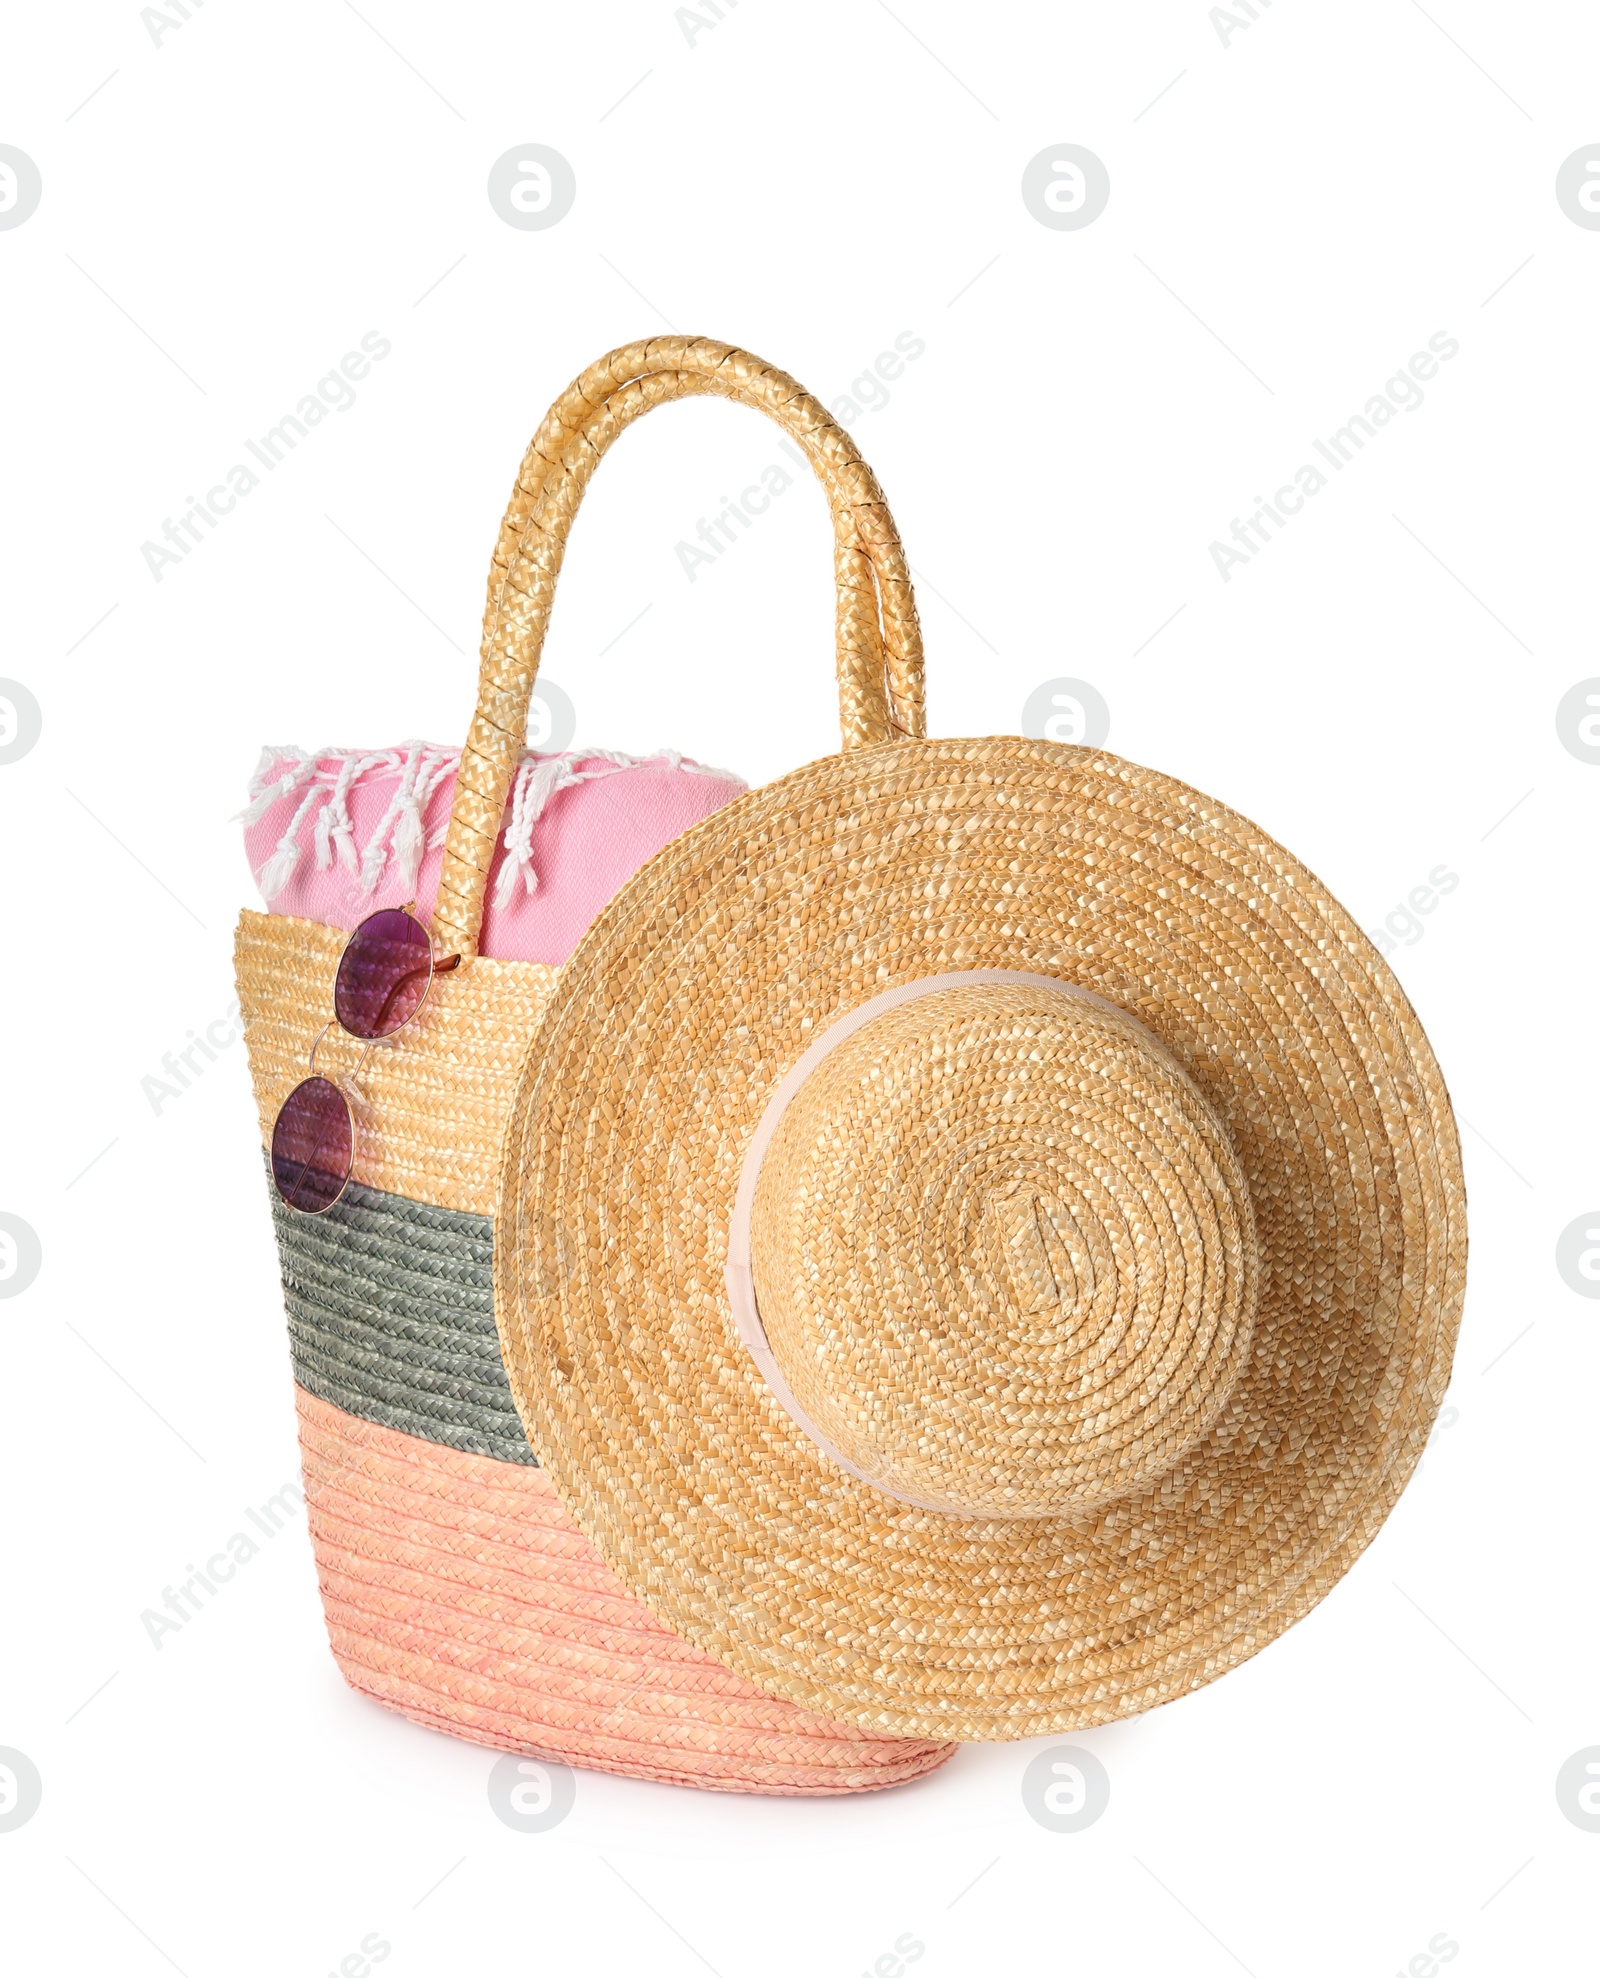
column 333, row 835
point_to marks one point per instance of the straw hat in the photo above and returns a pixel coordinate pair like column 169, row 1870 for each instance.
column 982, row 1238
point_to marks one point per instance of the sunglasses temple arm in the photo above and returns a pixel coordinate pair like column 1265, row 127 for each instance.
column 438, row 968
column 405, row 982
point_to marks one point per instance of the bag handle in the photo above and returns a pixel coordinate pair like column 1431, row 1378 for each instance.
column 879, row 642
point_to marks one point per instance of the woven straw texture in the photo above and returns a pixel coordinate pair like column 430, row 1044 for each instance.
column 458, row 1591
column 683, row 1008
column 878, row 641
column 435, row 1099
column 1099, row 1287
column 390, row 1306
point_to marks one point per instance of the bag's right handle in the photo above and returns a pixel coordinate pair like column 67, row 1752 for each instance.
column 879, row 645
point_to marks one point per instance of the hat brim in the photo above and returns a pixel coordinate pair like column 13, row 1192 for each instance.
column 678, row 1015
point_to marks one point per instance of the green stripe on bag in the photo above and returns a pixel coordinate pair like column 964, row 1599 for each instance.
column 390, row 1306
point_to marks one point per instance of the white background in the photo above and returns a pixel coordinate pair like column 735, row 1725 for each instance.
column 1300, row 210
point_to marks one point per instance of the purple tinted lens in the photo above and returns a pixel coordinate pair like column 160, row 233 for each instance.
column 383, row 974
column 313, row 1145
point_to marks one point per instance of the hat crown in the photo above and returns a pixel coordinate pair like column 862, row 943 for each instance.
column 1003, row 1252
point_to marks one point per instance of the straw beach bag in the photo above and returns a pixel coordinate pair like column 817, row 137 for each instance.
column 457, row 1587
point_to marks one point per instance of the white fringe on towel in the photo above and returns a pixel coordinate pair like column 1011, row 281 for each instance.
column 327, row 775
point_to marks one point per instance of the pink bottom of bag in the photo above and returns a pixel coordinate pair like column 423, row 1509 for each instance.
column 458, row 1591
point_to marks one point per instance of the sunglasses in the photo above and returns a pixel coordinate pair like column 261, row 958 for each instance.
column 385, row 973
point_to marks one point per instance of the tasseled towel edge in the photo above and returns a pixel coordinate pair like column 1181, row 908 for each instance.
column 326, row 776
